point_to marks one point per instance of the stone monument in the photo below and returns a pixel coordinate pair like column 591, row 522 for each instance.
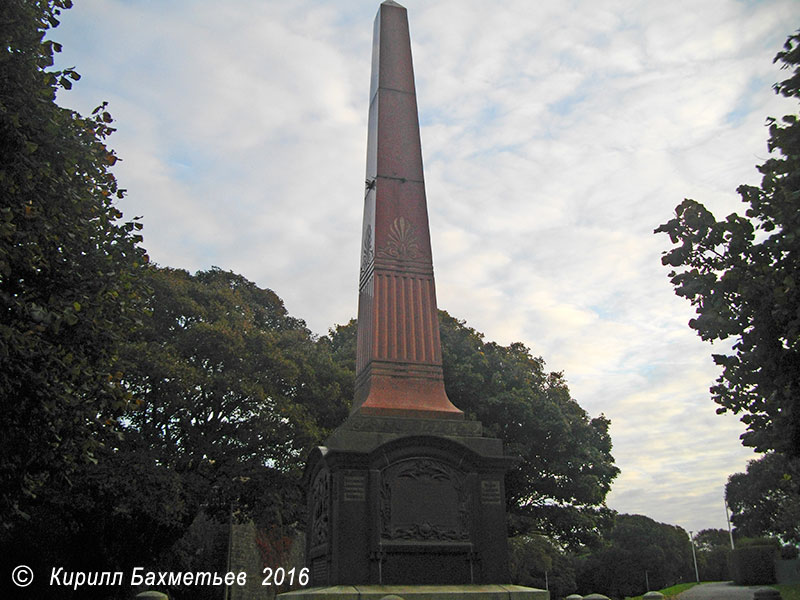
column 406, row 492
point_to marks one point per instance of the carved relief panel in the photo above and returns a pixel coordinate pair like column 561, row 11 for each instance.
column 367, row 256
column 320, row 509
column 402, row 242
column 423, row 499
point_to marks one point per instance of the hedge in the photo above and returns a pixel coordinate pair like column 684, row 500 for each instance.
column 753, row 565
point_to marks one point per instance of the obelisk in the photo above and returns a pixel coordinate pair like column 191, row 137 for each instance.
column 399, row 357
column 406, row 492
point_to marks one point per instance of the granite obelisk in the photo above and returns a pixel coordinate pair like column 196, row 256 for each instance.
column 406, row 491
column 399, row 358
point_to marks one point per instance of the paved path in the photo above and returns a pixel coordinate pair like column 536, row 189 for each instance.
column 718, row 591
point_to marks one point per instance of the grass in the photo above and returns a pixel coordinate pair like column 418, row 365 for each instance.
column 789, row 591
column 674, row 590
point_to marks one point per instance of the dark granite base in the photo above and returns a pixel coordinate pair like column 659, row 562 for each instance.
column 365, row 433
column 413, row 510
column 418, row 592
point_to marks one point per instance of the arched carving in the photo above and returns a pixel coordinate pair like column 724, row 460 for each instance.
column 424, row 499
column 320, row 508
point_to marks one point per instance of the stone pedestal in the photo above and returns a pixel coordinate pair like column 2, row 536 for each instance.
column 407, row 501
column 419, row 592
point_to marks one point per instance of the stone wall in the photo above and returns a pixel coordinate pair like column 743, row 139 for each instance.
column 245, row 554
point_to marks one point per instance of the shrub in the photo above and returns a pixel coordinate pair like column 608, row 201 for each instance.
column 753, row 565
column 788, row 552
column 748, row 542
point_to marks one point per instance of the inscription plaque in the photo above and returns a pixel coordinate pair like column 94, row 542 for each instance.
column 490, row 492
column 354, row 488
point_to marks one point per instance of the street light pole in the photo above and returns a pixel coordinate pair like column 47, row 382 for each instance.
column 728, row 518
column 694, row 556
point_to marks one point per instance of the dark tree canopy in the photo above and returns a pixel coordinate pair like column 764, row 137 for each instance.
column 765, row 500
column 713, row 548
column 706, row 539
column 230, row 390
column 535, row 561
column 742, row 275
column 229, row 393
column 68, row 267
column 567, row 467
column 638, row 550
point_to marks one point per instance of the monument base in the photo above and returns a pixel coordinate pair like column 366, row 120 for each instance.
column 364, row 433
column 400, row 501
column 418, row 592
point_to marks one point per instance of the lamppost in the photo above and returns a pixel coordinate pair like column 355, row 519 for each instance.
column 694, row 557
column 728, row 518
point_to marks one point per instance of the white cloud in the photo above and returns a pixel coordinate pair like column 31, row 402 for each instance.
column 556, row 137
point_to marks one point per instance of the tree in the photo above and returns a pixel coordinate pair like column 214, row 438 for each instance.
column 765, row 500
column 231, row 391
column 567, row 467
column 637, row 552
column 68, row 268
column 706, row 539
column 742, row 275
column 120, row 513
column 537, row 562
column 713, row 550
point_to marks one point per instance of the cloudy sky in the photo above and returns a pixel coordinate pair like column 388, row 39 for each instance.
column 556, row 136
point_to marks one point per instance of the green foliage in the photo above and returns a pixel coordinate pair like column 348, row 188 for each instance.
column 789, row 591
column 637, row 550
column 204, row 545
column 741, row 275
column 230, row 391
column 68, row 268
column 341, row 344
column 536, row 562
column 770, row 542
column 713, row 564
column 706, row 539
column 753, row 565
column 118, row 513
column 669, row 592
column 567, row 467
column 789, row 552
column 765, row 500
column 713, row 547
column 531, row 556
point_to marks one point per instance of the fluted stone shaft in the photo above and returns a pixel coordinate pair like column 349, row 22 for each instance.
column 406, row 492
column 399, row 356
